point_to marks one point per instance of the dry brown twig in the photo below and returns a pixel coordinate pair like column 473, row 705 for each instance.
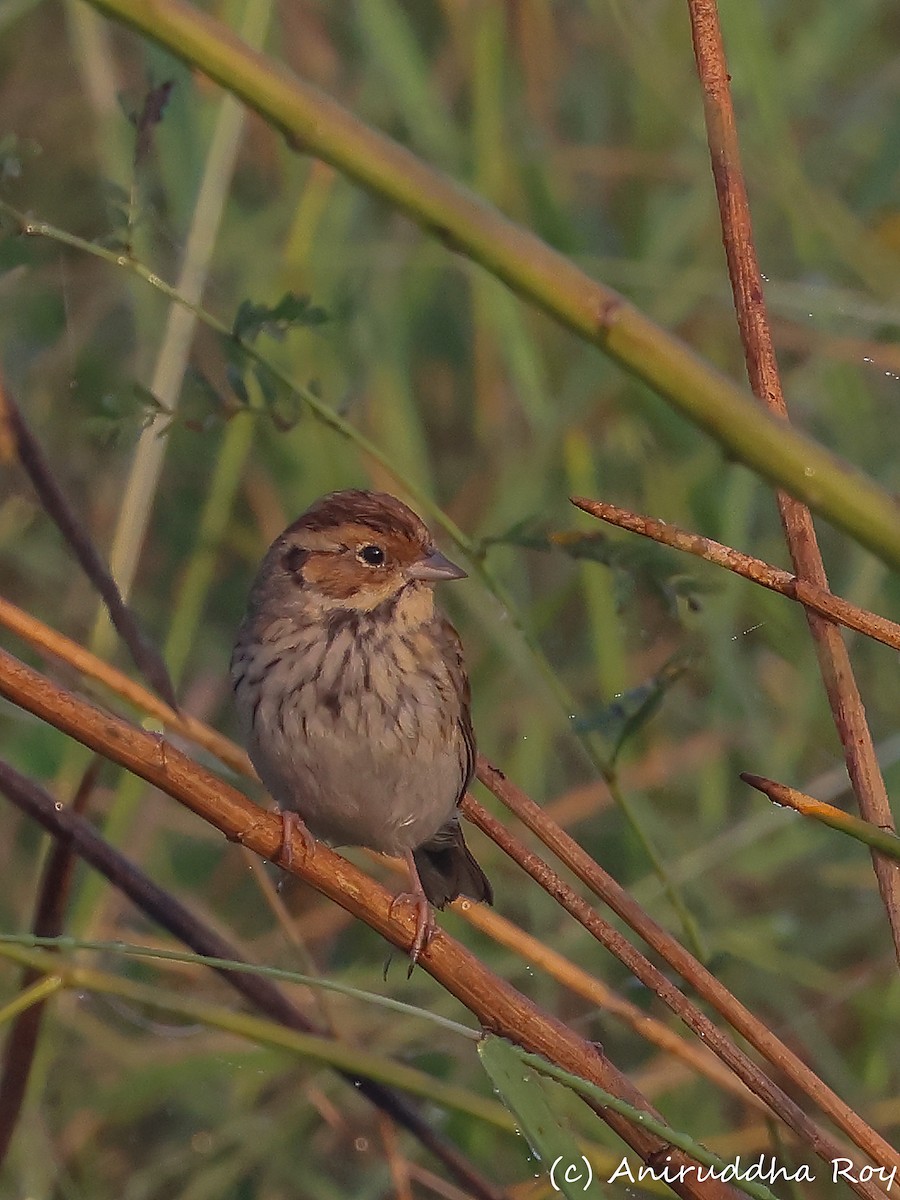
column 762, row 368
column 76, row 837
column 58, row 646
column 49, row 913
column 602, row 884
column 715, row 993
column 497, row 1005
column 21, row 441
column 820, row 600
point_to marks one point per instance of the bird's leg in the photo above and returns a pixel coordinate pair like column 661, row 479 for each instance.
column 425, row 923
column 292, row 823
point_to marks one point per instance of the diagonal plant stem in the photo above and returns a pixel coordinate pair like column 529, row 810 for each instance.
column 750, row 307
column 819, row 599
column 693, row 972
column 33, row 996
column 31, row 457
column 575, row 858
column 835, row 818
column 316, row 124
column 172, row 358
column 497, row 1005
column 77, row 835
column 161, row 955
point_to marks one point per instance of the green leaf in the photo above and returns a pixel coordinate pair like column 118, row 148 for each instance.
column 235, row 377
column 291, row 312
column 151, row 114
column 598, row 1096
column 120, row 412
column 628, row 713
column 268, row 384
column 532, row 1098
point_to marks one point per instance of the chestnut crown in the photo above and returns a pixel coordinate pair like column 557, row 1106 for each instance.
column 359, row 549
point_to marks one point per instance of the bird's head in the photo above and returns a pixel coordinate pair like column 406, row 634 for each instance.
column 355, row 550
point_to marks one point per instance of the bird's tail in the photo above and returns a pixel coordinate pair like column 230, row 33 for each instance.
column 447, row 868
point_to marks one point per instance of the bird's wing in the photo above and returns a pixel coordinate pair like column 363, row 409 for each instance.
column 453, row 657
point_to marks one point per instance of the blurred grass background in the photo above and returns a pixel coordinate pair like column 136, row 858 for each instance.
column 583, row 122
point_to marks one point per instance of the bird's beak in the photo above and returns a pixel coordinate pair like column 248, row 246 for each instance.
column 434, row 568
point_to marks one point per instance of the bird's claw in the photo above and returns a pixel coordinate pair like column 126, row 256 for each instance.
column 291, row 823
column 426, row 926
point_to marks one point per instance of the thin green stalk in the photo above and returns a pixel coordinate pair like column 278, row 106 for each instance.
column 214, row 521
column 674, row 1137
column 37, row 993
column 126, row 950
column 323, row 1051
column 172, row 358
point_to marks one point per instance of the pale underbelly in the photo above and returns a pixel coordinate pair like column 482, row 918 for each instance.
column 352, row 787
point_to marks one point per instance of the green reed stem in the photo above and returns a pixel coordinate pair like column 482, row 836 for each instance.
column 468, row 224
column 310, row 1047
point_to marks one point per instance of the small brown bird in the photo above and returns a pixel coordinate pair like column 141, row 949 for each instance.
column 352, row 688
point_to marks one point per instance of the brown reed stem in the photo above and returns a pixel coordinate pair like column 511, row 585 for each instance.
column 498, row 1006
column 703, row 982
column 44, row 638
column 811, row 596
column 750, row 307
column 144, row 653
column 76, row 836
column 826, row 814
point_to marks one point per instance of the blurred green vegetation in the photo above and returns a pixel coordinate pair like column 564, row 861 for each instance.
column 583, row 122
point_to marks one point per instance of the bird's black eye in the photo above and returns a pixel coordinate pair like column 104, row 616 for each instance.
column 373, row 555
